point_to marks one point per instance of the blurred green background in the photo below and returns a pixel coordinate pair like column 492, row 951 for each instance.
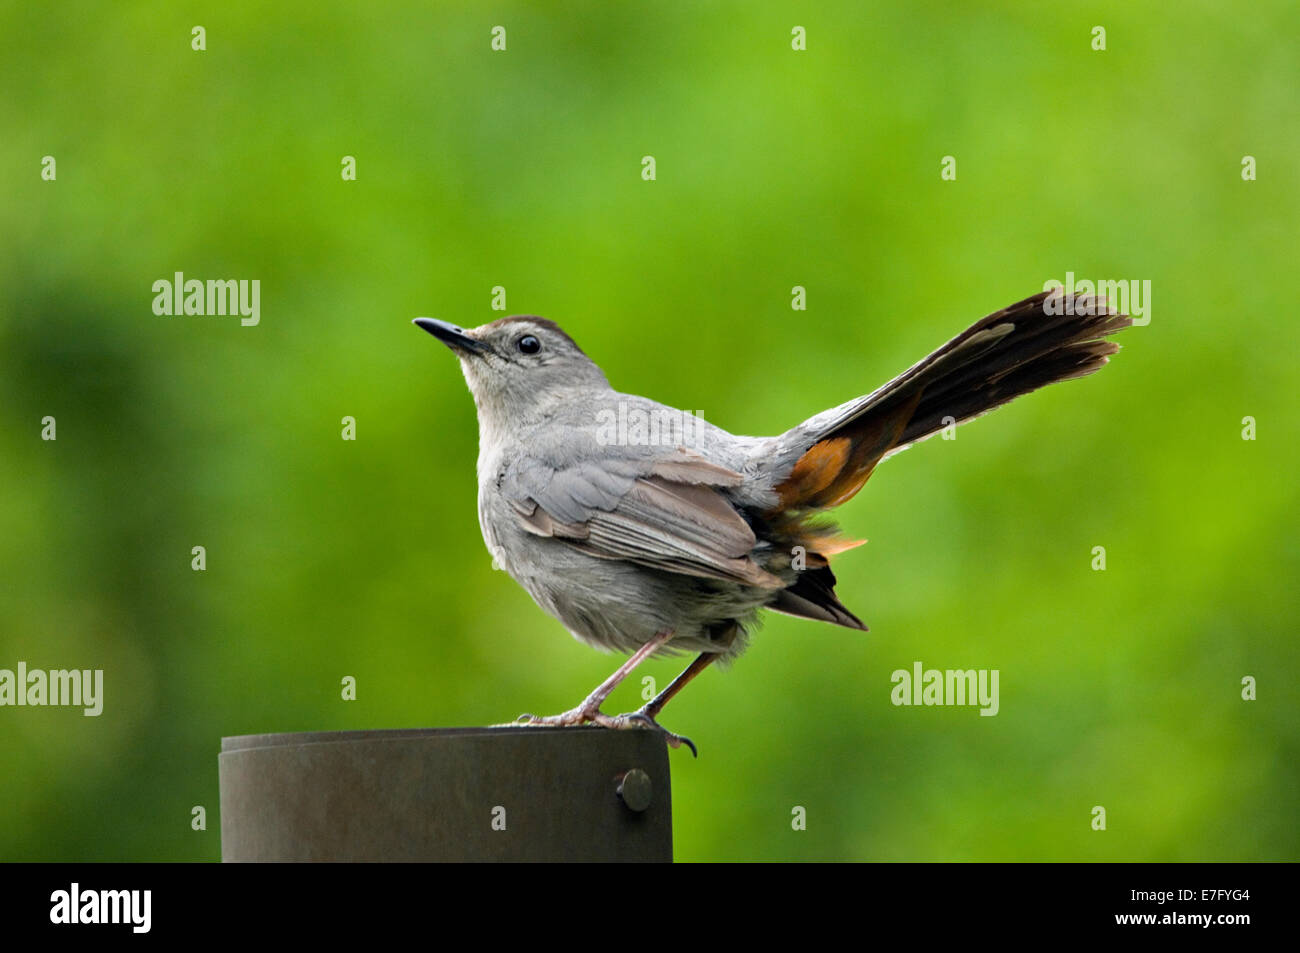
column 775, row 168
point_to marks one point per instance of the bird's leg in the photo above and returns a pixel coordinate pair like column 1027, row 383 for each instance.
column 702, row 661
column 589, row 710
column 644, row 717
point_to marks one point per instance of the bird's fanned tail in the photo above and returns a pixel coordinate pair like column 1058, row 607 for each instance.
column 1045, row 338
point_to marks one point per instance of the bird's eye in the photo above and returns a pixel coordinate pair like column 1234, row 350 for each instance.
column 528, row 344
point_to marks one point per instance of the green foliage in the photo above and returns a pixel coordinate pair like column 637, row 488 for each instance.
column 775, row 168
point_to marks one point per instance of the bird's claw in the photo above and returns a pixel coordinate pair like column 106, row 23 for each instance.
column 633, row 719
column 643, row 719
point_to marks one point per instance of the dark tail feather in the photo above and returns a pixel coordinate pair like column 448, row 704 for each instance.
column 1009, row 353
column 813, row 597
column 1039, row 349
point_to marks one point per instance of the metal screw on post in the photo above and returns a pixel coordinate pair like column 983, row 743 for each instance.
column 636, row 790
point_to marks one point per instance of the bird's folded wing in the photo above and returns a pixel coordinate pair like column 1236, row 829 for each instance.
column 665, row 513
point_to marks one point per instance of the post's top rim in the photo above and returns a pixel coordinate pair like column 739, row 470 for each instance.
column 287, row 739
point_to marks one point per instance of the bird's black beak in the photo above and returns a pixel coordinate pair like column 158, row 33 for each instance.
column 450, row 335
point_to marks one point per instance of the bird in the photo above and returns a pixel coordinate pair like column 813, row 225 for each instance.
column 649, row 531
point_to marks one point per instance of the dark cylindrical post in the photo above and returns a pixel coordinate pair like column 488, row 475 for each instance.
column 450, row 794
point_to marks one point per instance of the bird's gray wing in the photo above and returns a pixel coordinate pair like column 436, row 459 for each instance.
column 664, row 512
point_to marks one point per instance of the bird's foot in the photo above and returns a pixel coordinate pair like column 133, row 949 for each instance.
column 588, row 713
column 574, row 716
column 643, row 719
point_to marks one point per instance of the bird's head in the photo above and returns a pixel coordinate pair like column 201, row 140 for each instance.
column 519, row 364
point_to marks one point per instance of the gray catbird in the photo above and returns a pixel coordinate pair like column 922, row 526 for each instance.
column 649, row 531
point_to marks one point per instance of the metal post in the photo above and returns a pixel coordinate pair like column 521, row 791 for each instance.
column 446, row 794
